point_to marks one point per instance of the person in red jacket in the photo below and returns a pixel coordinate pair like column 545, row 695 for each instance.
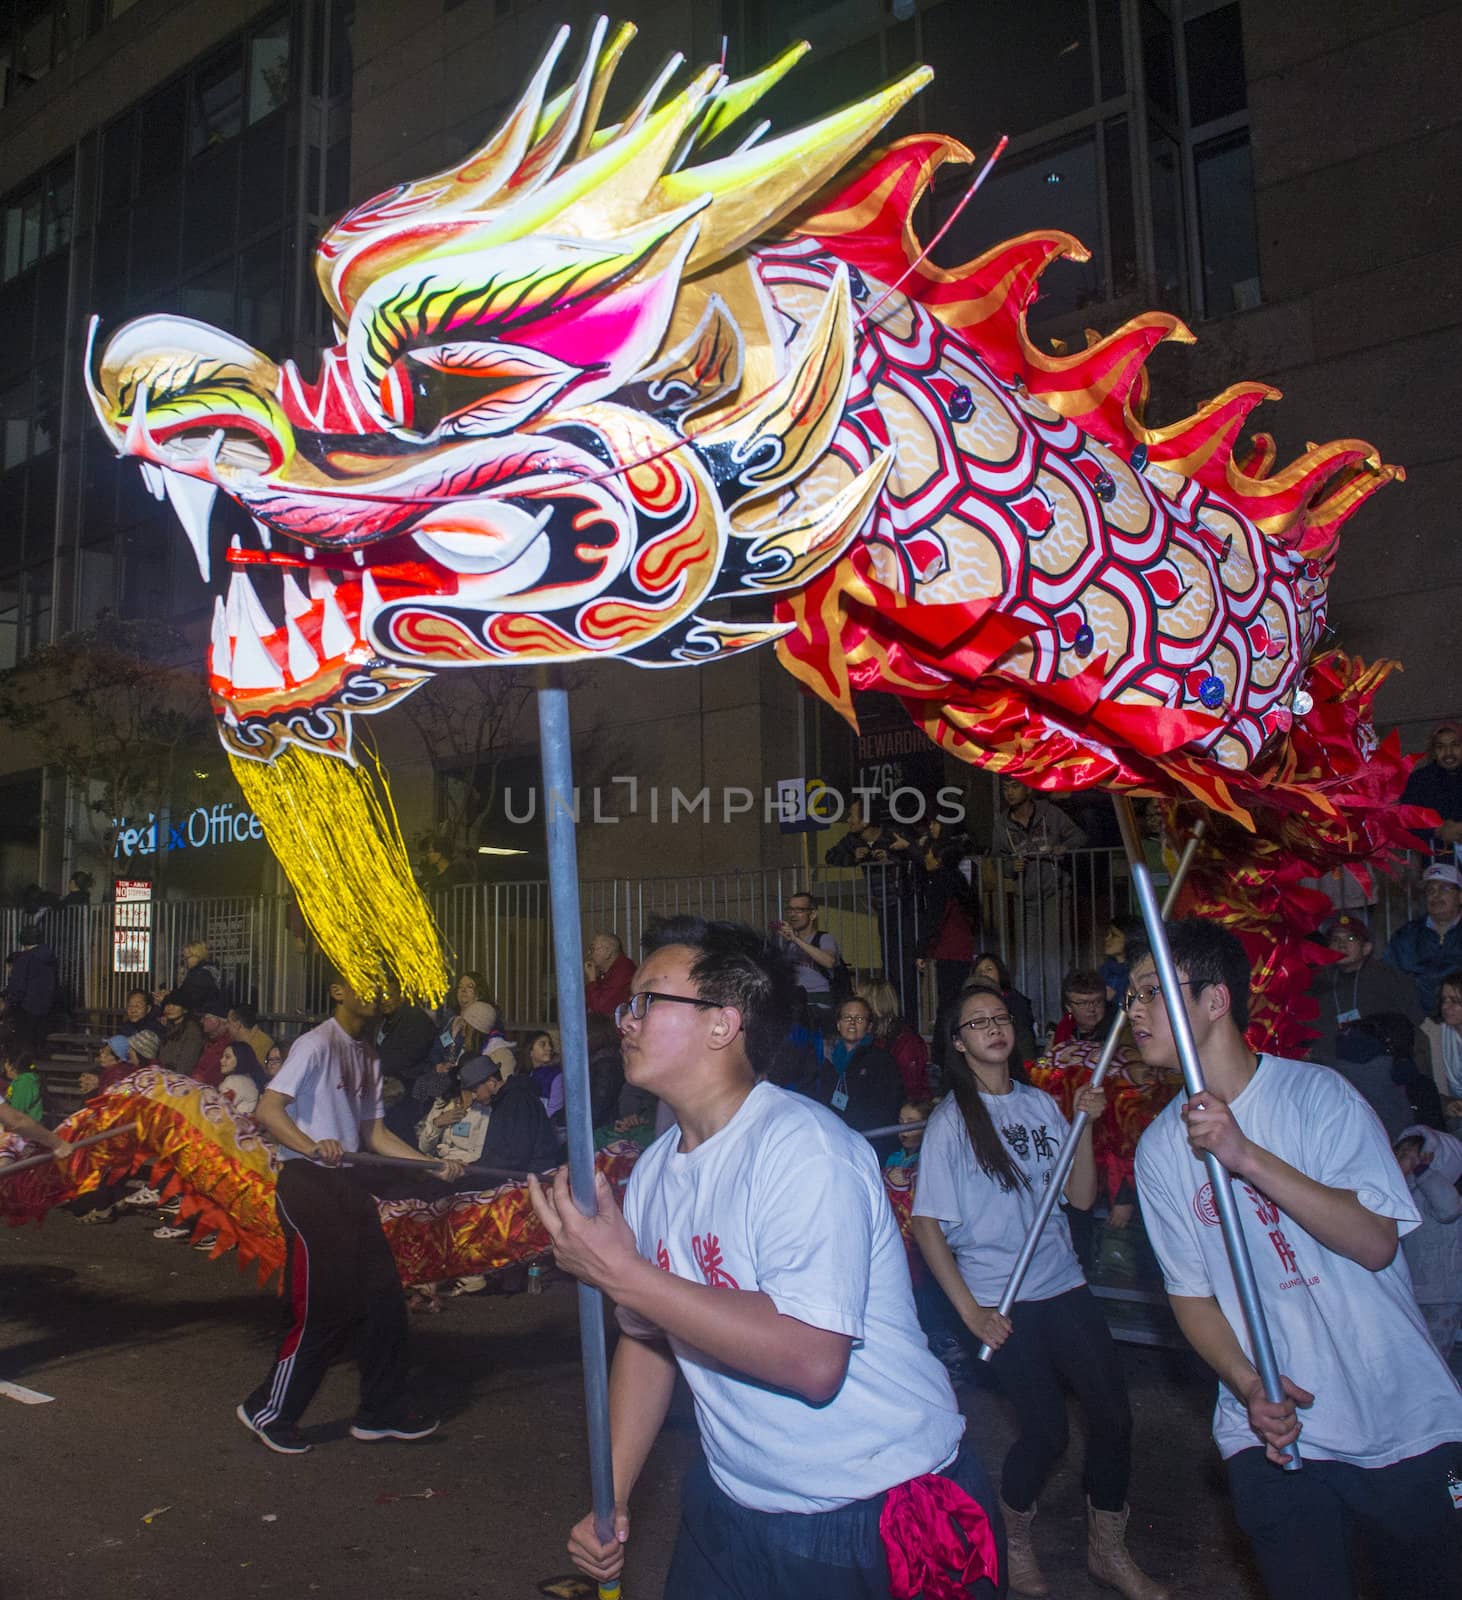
column 608, row 974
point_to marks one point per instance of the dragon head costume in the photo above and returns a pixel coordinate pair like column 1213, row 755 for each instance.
column 642, row 390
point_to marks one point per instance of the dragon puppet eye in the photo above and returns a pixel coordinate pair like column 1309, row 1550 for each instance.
column 470, row 388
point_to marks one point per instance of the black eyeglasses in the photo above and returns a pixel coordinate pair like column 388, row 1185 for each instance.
column 1001, row 1019
column 1150, row 993
column 638, row 1004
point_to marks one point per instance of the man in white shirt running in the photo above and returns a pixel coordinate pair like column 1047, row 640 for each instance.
column 759, row 1254
column 340, row 1277
column 1321, row 1201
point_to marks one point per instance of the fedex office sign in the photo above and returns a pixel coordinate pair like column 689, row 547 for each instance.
column 223, row 824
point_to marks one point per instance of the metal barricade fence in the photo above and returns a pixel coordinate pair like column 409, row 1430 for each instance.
column 1042, row 918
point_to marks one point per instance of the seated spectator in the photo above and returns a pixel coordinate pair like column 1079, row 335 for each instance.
column 1355, row 986
column 893, row 1031
column 243, row 1023
column 111, row 1064
column 1434, row 1250
column 23, row 1087
column 274, row 1060
column 861, row 1080
column 1437, row 783
column 990, row 969
column 1445, row 1035
column 139, row 1012
column 142, row 1048
column 902, row 1166
column 608, row 974
column 469, row 987
column 200, row 988
column 494, row 1121
column 243, row 1079
column 182, row 1039
column 1428, row 947
column 208, row 1068
column 1086, row 1012
column 545, row 1071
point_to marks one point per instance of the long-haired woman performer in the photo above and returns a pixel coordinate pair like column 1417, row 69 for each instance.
column 988, row 1152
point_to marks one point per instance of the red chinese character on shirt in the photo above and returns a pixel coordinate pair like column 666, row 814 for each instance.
column 708, row 1259
column 1283, row 1249
column 1264, row 1208
column 662, row 1256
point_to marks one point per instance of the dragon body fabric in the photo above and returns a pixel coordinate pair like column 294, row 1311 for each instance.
column 638, row 390
column 222, row 1171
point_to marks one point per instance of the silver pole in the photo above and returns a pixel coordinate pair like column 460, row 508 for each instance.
column 1240, row 1265
column 1067, row 1154
column 563, row 887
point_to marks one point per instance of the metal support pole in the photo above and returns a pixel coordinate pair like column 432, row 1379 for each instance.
column 563, row 888
column 124, row 1130
column 1260, row 1344
column 1067, row 1153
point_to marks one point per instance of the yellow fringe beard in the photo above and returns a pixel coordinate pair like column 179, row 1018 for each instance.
column 333, row 828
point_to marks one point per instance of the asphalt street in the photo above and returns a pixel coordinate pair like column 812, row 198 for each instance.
column 137, row 1481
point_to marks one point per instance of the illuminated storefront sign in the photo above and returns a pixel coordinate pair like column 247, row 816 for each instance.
column 201, row 829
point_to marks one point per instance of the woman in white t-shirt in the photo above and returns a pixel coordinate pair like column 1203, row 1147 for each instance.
column 989, row 1150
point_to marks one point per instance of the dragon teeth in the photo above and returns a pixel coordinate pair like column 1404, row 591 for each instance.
column 296, row 602
column 336, row 635
column 222, row 651
column 370, row 603
column 244, row 607
column 152, row 477
column 253, row 666
column 303, row 662
column 192, row 502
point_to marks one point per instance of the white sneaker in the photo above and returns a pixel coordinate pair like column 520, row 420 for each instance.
column 143, row 1197
column 166, row 1232
column 207, row 1242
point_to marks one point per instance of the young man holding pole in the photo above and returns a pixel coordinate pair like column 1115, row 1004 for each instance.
column 1321, row 1200
column 758, row 1253
column 339, row 1274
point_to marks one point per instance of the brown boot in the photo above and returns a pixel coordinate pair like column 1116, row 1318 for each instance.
column 1022, row 1569
column 1107, row 1560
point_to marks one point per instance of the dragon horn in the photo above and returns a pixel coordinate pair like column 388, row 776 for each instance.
column 798, row 416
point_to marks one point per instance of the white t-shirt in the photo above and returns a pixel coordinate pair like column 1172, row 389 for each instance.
column 333, row 1083
column 786, row 1200
column 1352, row 1337
column 985, row 1225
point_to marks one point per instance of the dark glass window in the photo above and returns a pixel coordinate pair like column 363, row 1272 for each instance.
column 265, row 175
column 209, row 219
column 1214, row 44
column 17, row 310
column 1225, row 181
column 154, row 256
column 162, row 129
column 15, row 407
column 995, row 55
column 1159, row 69
column 209, row 296
column 40, row 509
column 218, row 101
column 261, row 295
column 268, row 69
column 60, row 200
column 119, row 146
column 1169, row 254
column 1109, row 43
column 1121, row 212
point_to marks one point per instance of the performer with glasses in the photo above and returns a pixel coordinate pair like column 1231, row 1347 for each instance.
column 988, row 1152
column 758, row 1255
